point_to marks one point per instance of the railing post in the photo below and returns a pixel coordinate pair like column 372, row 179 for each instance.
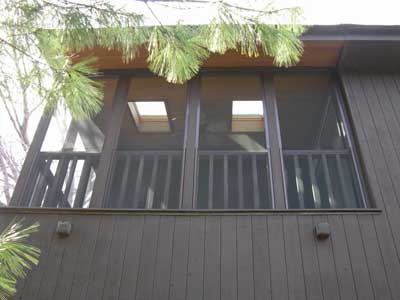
column 191, row 144
column 104, row 172
column 30, row 161
column 279, row 194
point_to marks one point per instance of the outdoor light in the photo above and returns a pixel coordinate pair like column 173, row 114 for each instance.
column 322, row 231
column 64, row 228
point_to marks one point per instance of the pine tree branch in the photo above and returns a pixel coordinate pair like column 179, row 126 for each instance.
column 214, row 2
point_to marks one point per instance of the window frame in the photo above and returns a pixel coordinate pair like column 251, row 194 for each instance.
column 188, row 192
column 348, row 129
column 263, row 97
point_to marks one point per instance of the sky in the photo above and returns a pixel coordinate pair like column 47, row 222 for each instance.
column 315, row 12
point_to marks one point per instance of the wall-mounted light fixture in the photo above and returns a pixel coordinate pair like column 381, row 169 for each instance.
column 64, row 228
column 322, row 231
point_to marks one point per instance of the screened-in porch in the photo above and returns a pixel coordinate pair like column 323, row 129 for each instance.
column 232, row 140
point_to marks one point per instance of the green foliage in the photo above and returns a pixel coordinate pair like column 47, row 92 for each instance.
column 16, row 257
column 251, row 36
column 47, row 31
column 175, row 53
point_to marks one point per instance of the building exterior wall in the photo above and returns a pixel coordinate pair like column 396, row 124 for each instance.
column 243, row 255
column 263, row 256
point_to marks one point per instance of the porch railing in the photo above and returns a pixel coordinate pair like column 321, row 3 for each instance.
column 321, row 179
column 234, row 180
column 146, row 180
column 62, row 179
column 225, row 180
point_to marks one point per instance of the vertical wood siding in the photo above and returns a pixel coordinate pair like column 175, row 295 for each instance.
column 274, row 256
column 213, row 257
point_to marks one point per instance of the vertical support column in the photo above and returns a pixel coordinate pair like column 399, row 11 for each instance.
column 279, row 193
column 25, row 176
column 104, row 172
column 191, row 144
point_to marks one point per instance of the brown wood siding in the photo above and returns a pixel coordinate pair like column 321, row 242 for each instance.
column 374, row 101
column 272, row 256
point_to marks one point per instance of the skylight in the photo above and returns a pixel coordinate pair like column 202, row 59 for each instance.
column 150, row 116
column 150, row 108
column 247, row 108
column 247, row 116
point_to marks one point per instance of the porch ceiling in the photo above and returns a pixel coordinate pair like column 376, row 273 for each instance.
column 316, row 54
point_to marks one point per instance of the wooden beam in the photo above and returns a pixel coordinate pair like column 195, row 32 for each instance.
column 275, row 151
column 101, row 186
column 25, row 176
column 190, row 148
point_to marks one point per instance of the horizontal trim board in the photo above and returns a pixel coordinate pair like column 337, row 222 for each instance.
column 316, row 54
column 184, row 212
column 217, row 71
column 352, row 32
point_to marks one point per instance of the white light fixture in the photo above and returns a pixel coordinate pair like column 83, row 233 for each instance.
column 150, row 116
column 247, row 116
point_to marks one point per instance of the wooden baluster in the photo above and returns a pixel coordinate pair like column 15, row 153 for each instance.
column 32, row 185
column 138, row 183
column 71, row 175
column 240, row 181
column 124, row 184
column 299, row 181
column 314, row 186
column 256, row 194
column 83, row 183
column 55, row 194
column 328, row 182
column 346, row 194
column 152, row 187
column 40, row 187
column 167, row 183
column 210, row 180
column 226, row 183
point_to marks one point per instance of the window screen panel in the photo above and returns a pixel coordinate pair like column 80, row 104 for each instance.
column 147, row 170
column 233, row 157
column 320, row 171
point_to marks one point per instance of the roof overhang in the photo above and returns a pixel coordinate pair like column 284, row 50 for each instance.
column 323, row 47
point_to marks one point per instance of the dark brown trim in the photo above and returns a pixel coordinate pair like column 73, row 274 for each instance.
column 352, row 32
column 234, row 71
column 341, row 95
column 189, row 170
column 19, row 196
column 277, row 175
column 184, row 212
column 104, row 172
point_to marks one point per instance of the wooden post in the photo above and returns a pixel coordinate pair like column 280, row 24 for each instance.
column 101, row 186
column 190, row 146
column 18, row 198
column 275, row 151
